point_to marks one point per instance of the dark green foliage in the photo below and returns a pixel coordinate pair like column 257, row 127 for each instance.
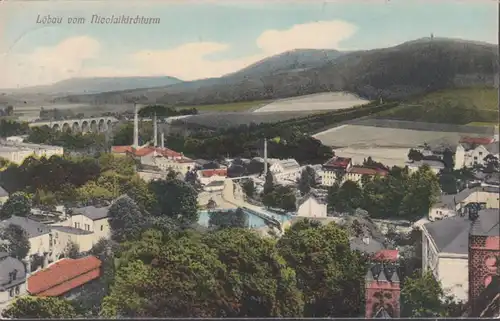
column 13, row 128
column 175, row 199
column 18, row 204
column 448, row 183
column 17, row 241
column 89, row 142
column 29, row 307
column 415, row 155
column 307, row 180
column 249, row 188
column 282, row 197
column 228, row 219
column 269, row 183
column 125, row 219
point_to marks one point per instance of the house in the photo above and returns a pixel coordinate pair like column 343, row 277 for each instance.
column 366, row 244
column 355, row 173
column 92, row 219
column 4, row 196
column 471, row 151
column 451, row 205
column 312, row 206
column 445, row 252
column 334, row 168
column 16, row 152
column 65, row 235
column 65, row 278
column 284, row 169
column 207, row 176
column 12, row 279
column 435, row 165
column 40, row 237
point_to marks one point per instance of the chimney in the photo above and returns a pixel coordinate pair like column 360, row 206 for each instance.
column 366, row 240
column 136, row 126
column 265, row 156
column 162, row 140
column 155, row 130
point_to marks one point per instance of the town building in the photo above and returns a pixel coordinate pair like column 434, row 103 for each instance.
column 4, row 196
column 207, row 176
column 90, row 219
column 284, row 169
column 451, row 205
column 342, row 168
column 67, row 235
column 16, row 152
column 12, row 279
column 435, row 166
column 471, row 151
column 65, row 278
column 382, row 286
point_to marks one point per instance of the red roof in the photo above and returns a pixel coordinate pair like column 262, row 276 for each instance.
column 213, row 172
column 64, row 275
column 386, row 255
column 367, row 171
column 338, row 162
column 145, row 151
column 477, row 140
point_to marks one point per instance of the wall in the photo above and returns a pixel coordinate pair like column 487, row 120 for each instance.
column 6, row 299
column 312, row 208
column 373, row 287
column 101, row 229
column 151, row 175
column 84, row 242
column 430, row 258
column 3, row 199
column 492, row 200
column 437, row 213
column 475, row 156
column 79, row 221
column 40, row 244
column 459, row 157
column 454, row 275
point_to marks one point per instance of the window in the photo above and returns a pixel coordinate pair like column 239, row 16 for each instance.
column 17, row 290
column 11, row 292
column 87, row 227
column 57, row 235
column 102, row 227
column 77, row 225
column 475, row 157
column 480, row 153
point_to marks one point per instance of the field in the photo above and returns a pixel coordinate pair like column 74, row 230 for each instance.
column 230, row 107
column 387, row 145
column 314, row 102
column 452, row 106
column 485, row 124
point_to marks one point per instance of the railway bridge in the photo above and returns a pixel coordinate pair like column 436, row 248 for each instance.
column 83, row 125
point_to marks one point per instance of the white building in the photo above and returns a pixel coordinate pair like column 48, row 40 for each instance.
column 16, row 152
column 12, row 279
column 208, row 176
column 445, row 252
column 312, row 206
column 284, row 169
column 472, row 151
column 451, row 205
column 342, row 168
column 4, row 196
column 435, row 166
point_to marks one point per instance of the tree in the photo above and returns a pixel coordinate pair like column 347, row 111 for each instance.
column 448, row 183
column 414, row 155
column 491, row 164
column 259, row 283
column 449, row 162
column 125, row 219
column 330, row 275
column 249, row 188
column 422, row 296
column 269, row 183
column 175, row 199
column 211, row 204
column 307, row 180
column 18, row 204
column 15, row 241
column 72, row 250
column 184, row 279
column 230, row 219
column 349, row 197
column 422, row 193
column 28, row 307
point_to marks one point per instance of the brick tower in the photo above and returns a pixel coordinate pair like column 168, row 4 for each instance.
column 382, row 289
column 484, row 254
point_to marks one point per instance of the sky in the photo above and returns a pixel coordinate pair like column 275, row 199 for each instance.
column 201, row 39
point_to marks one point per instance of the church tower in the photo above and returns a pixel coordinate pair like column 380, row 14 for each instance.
column 484, row 254
column 382, row 290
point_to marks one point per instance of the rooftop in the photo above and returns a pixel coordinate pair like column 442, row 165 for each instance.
column 8, row 265
column 338, row 162
column 15, row 146
column 92, row 212
column 451, row 235
column 143, row 151
column 33, row 228
column 487, row 224
column 70, row 230
column 367, row 171
column 476, row 140
column 64, row 276
column 213, row 172
column 3, row 193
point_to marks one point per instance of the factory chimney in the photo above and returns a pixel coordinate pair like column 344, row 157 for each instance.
column 155, row 130
column 136, row 126
column 265, row 157
column 162, row 140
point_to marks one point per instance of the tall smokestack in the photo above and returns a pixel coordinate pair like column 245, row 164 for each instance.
column 155, row 129
column 265, row 156
column 162, row 140
column 136, row 126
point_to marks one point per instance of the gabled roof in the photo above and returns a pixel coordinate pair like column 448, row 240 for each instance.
column 32, row 227
column 213, row 172
column 487, row 223
column 338, row 162
column 367, row 171
column 92, row 212
column 8, row 265
column 477, row 140
column 304, row 199
column 64, row 276
column 451, row 235
column 143, row 151
column 3, row 193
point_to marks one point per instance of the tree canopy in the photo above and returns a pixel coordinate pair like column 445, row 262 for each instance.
column 28, row 307
column 15, row 241
column 18, row 204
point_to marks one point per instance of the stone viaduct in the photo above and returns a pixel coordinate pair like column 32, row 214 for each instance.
column 84, row 125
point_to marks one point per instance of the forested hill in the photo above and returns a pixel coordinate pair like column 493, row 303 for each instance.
column 397, row 72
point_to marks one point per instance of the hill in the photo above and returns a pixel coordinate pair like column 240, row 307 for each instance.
column 97, row 85
column 398, row 72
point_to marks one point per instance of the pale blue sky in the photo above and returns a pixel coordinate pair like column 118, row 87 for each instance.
column 197, row 40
